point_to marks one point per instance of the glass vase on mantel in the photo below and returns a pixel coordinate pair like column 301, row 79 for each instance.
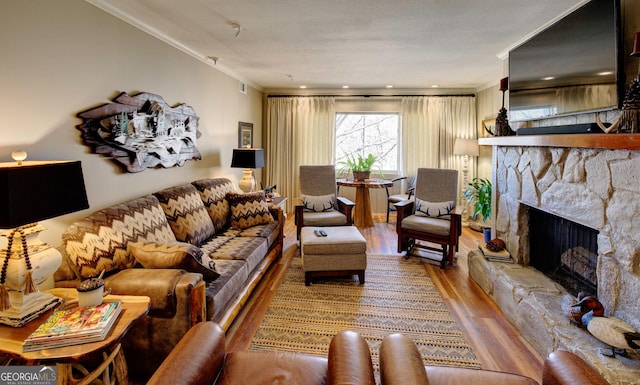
column 361, row 175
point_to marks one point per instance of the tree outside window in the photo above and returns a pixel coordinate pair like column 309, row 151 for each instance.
column 368, row 133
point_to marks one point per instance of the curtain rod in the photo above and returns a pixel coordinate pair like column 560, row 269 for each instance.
column 365, row 96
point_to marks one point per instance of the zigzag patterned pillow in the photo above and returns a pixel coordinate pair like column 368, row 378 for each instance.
column 186, row 214
column 213, row 193
column 99, row 242
column 249, row 210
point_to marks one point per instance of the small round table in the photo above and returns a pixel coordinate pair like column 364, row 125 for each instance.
column 362, row 216
column 69, row 359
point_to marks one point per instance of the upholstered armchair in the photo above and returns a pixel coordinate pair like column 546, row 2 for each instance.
column 433, row 216
column 320, row 204
column 392, row 199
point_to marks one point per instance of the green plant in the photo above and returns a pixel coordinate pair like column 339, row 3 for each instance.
column 359, row 162
column 479, row 190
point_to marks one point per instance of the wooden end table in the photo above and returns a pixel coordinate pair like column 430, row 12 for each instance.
column 362, row 216
column 70, row 359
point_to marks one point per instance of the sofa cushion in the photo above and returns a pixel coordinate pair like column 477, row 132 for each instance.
column 213, row 193
column 186, row 213
column 249, row 210
column 233, row 276
column 174, row 255
column 99, row 242
column 249, row 249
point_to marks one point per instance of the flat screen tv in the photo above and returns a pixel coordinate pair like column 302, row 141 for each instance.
column 572, row 66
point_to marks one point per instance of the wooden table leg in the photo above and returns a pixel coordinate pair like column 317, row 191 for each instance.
column 362, row 216
column 113, row 370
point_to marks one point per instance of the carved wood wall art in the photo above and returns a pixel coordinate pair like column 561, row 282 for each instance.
column 142, row 131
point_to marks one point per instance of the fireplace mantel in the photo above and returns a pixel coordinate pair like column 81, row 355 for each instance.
column 608, row 141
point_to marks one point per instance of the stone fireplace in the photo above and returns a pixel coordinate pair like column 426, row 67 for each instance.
column 598, row 188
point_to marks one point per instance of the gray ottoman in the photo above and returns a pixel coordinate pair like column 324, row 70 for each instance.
column 342, row 252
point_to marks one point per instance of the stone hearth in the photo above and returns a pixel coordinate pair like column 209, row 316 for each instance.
column 599, row 188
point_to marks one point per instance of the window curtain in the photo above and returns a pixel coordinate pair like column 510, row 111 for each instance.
column 430, row 126
column 299, row 130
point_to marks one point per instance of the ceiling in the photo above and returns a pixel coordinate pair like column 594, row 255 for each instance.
column 329, row 44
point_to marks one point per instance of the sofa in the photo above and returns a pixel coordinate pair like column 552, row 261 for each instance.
column 201, row 358
column 401, row 364
column 196, row 250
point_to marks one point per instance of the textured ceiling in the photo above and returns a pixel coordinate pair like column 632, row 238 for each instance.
column 327, row 44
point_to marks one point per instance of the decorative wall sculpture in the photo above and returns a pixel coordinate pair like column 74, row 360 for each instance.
column 141, row 131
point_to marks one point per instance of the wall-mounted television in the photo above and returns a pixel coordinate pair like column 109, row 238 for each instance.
column 570, row 67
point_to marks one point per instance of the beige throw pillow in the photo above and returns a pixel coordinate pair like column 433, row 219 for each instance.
column 174, row 255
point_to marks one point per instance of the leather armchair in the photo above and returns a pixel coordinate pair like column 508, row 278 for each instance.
column 321, row 181
column 401, row 364
column 200, row 358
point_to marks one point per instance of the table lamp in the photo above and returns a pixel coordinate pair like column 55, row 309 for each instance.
column 249, row 159
column 31, row 191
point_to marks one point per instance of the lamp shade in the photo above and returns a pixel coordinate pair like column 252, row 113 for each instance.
column 466, row 147
column 636, row 45
column 39, row 190
column 247, row 158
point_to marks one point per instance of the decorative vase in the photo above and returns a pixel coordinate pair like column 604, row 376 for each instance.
column 487, row 234
column 361, row 175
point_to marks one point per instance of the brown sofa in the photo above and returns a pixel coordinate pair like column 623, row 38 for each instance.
column 200, row 359
column 401, row 364
column 197, row 250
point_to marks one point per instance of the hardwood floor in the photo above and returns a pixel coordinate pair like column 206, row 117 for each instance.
column 496, row 343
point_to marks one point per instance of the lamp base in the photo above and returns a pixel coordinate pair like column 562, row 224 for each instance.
column 26, row 308
column 248, row 183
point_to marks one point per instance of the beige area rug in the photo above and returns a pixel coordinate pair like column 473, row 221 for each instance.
column 398, row 297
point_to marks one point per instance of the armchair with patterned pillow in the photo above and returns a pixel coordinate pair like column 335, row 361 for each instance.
column 432, row 216
column 320, row 204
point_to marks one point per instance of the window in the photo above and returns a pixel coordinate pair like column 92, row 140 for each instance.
column 368, row 133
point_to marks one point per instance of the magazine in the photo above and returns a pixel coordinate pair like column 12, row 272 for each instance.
column 74, row 326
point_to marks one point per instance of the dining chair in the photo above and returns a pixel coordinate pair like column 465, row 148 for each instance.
column 432, row 216
column 321, row 205
column 395, row 198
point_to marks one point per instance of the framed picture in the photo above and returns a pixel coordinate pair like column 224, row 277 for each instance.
column 245, row 134
column 488, row 126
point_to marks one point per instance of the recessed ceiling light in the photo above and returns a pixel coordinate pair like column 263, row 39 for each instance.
column 435, row 86
column 303, row 86
column 345, row 86
column 548, row 78
column 389, row 86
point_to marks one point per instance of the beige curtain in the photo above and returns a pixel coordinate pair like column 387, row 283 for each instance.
column 430, row 126
column 299, row 130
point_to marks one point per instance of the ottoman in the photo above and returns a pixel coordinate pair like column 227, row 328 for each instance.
column 342, row 252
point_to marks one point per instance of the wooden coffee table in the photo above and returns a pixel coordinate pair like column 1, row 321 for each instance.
column 70, row 359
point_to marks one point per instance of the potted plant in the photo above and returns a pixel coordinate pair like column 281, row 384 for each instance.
column 479, row 193
column 360, row 166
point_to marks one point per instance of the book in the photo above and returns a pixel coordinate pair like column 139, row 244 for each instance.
column 74, row 326
column 495, row 256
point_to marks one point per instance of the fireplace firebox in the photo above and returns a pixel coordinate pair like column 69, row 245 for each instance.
column 565, row 251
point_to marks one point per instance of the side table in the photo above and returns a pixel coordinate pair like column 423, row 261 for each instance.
column 70, row 358
column 280, row 202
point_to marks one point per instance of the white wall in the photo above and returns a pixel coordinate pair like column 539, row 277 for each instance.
column 65, row 56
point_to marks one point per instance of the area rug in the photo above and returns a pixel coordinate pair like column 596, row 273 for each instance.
column 397, row 297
